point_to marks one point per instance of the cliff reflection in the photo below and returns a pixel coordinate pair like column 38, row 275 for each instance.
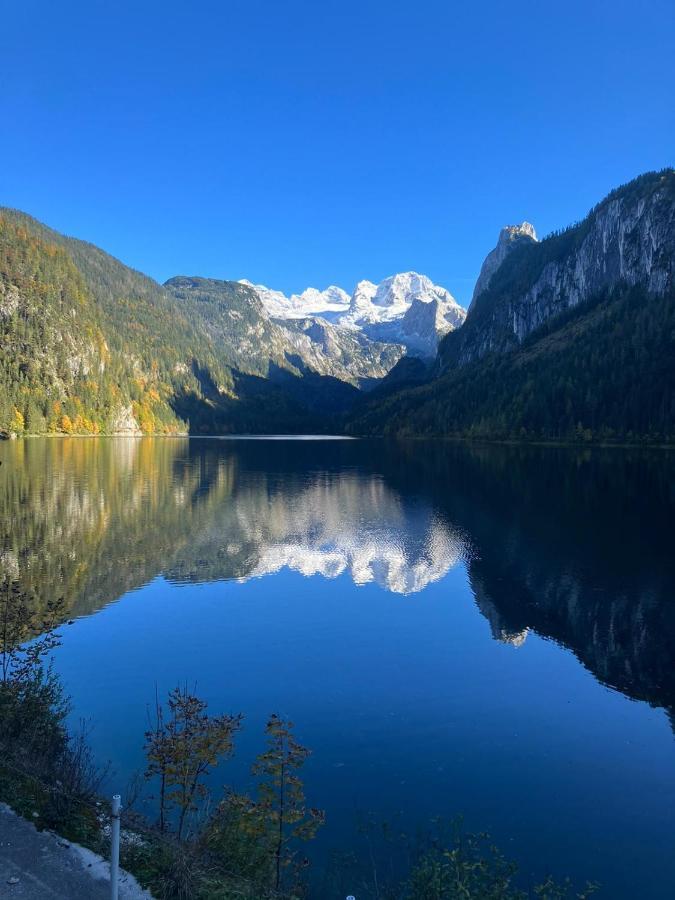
column 575, row 545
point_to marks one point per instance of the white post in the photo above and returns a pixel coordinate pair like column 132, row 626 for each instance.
column 115, row 845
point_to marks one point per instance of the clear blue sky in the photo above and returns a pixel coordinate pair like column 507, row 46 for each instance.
column 300, row 143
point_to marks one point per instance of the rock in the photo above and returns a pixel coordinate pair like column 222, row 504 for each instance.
column 125, row 422
column 407, row 308
column 510, row 237
column 275, row 337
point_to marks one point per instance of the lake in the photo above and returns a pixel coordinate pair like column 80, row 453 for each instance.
column 485, row 632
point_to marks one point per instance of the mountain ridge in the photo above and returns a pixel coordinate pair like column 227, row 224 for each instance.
column 621, row 240
column 571, row 339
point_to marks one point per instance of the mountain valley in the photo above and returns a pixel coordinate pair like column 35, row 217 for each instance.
column 566, row 338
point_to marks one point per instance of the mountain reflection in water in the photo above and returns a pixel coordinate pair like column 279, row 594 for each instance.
column 575, row 545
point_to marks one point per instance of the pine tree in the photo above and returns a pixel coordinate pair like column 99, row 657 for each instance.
column 281, row 809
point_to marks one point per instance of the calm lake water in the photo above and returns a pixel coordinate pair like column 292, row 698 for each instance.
column 487, row 632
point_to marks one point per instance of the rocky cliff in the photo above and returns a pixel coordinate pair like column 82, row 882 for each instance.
column 627, row 240
column 510, row 237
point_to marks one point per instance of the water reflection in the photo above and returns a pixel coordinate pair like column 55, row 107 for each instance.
column 576, row 546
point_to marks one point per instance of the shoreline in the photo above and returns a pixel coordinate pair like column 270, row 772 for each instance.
column 474, row 442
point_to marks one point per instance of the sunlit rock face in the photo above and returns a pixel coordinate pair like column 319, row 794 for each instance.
column 407, row 308
column 628, row 239
column 510, row 237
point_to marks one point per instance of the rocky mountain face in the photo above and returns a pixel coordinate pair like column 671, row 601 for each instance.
column 331, row 350
column 231, row 316
column 406, row 309
column 510, row 237
column 628, row 239
column 236, row 319
column 568, row 338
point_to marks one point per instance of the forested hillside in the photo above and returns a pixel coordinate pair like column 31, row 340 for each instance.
column 605, row 372
column 89, row 346
column 57, row 373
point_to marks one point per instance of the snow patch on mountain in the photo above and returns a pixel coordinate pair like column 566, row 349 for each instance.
column 311, row 302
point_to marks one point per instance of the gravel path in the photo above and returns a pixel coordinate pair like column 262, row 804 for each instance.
column 38, row 865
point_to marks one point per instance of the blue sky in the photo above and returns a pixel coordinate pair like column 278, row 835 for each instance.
column 298, row 143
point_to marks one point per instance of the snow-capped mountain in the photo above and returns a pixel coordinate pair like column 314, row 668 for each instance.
column 407, row 308
column 392, row 298
column 311, row 302
column 233, row 316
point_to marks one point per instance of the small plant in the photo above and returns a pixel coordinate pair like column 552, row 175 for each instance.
column 44, row 770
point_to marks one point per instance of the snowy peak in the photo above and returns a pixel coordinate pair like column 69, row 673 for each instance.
column 394, row 295
column 275, row 302
column 393, row 311
column 312, row 297
column 311, row 302
column 398, row 290
column 362, row 298
column 407, row 308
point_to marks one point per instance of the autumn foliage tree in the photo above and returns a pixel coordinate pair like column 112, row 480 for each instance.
column 181, row 748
